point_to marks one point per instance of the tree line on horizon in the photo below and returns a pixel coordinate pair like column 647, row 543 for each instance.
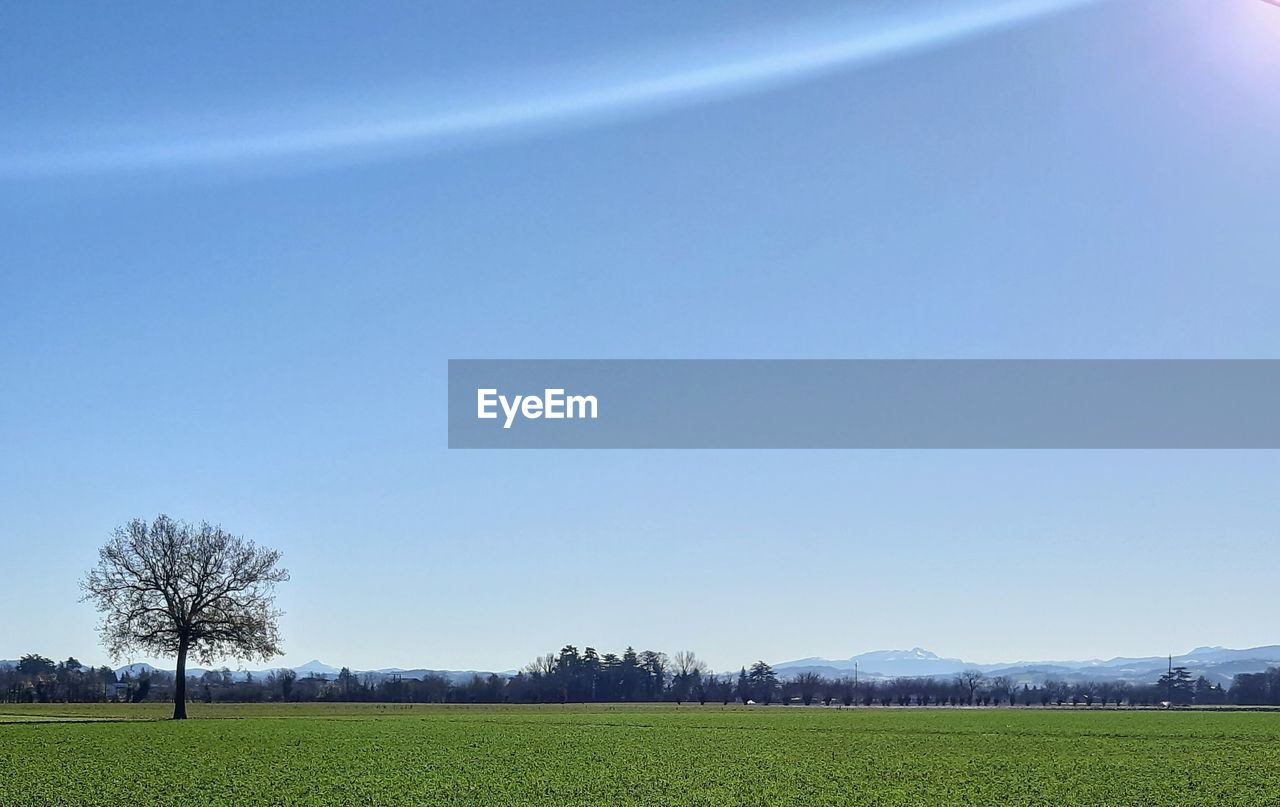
column 172, row 588
column 647, row 676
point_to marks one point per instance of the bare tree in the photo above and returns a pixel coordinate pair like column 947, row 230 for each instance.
column 687, row 662
column 172, row 588
column 544, row 666
column 808, row 685
column 1002, row 686
column 970, row 680
column 689, row 671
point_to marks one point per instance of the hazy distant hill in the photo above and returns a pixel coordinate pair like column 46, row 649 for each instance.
column 887, row 663
column 141, row 668
column 1218, row 664
column 317, row 668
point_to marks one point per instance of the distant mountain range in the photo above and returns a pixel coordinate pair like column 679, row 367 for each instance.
column 1217, row 664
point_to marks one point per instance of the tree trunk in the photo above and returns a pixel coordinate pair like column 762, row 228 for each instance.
column 180, row 685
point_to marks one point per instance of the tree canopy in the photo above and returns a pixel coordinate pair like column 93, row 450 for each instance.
column 178, row 589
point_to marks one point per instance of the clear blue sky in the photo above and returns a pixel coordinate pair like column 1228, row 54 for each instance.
column 239, row 245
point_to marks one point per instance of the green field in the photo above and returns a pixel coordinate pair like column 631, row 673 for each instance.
column 655, row 755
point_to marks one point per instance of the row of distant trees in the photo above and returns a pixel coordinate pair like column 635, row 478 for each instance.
column 171, row 588
column 571, row 676
column 38, row 679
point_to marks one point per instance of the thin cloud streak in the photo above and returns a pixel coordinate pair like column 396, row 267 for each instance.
column 864, row 42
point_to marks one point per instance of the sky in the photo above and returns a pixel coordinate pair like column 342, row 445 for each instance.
column 239, row 245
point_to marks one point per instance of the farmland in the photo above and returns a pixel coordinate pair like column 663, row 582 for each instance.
column 389, row 754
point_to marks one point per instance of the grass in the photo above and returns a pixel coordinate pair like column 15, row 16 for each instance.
column 484, row 755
